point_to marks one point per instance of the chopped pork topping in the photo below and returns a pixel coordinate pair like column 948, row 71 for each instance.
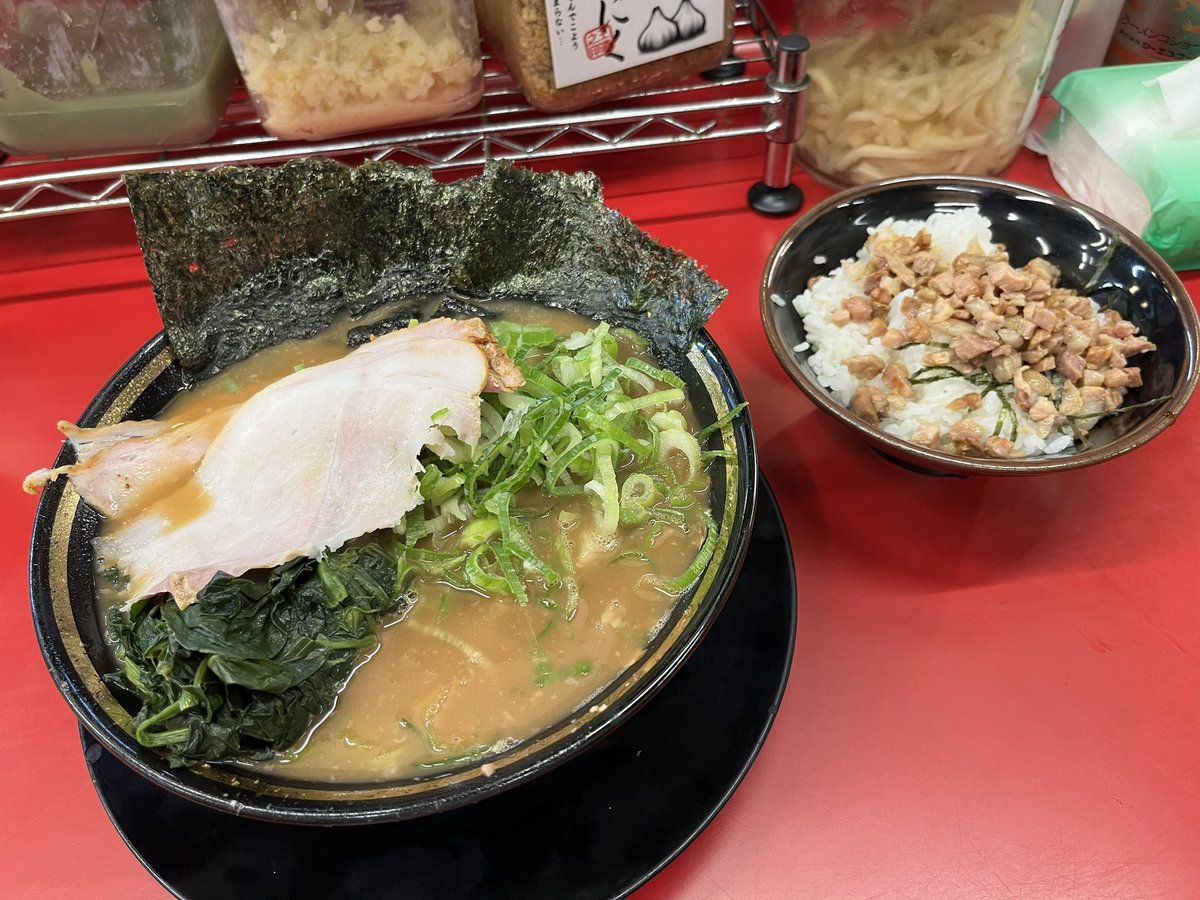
column 895, row 377
column 973, row 400
column 997, row 446
column 928, row 434
column 869, row 403
column 917, row 330
column 969, row 346
column 966, row 434
column 1042, row 317
column 1007, row 279
column 859, row 308
column 1045, row 349
column 865, row 367
column 1042, row 408
column 1070, row 365
column 967, row 285
column 943, row 283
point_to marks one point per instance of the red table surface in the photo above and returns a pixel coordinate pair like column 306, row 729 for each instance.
column 998, row 700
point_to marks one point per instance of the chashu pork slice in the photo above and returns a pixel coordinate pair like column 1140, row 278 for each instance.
column 320, row 457
column 123, row 467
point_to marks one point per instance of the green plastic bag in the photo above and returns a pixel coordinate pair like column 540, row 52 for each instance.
column 1117, row 146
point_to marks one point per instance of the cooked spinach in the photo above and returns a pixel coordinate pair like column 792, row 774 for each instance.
column 245, row 671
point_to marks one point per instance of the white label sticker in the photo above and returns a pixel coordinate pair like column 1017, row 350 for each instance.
column 593, row 38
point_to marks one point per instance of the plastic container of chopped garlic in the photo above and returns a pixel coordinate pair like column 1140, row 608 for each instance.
column 320, row 68
column 567, row 54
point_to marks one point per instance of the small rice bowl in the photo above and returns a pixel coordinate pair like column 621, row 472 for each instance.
column 951, row 233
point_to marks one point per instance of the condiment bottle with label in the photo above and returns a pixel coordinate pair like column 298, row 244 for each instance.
column 1150, row 31
column 567, row 54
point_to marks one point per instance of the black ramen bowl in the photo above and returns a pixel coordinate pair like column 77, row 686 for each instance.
column 71, row 632
column 1096, row 256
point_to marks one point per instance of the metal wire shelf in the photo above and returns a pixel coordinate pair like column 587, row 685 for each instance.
column 503, row 126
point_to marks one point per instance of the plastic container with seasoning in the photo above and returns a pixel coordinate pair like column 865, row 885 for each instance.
column 922, row 86
column 567, row 54
column 104, row 75
column 320, row 68
column 1150, row 31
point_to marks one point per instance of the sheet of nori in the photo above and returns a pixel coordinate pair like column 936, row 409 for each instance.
column 244, row 258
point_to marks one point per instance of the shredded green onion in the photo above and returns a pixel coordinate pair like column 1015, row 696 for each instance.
column 516, row 587
column 638, row 494
column 722, row 422
column 668, row 419
column 676, row 440
column 658, row 398
column 414, row 526
column 556, row 471
column 692, row 573
column 614, row 432
column 481, row 578
column 591, row 420
column 605, row 487
column 657, row 374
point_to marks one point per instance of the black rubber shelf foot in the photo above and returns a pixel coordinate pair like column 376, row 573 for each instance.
column 775, row 201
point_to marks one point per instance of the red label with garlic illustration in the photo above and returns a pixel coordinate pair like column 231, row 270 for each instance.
column 593, row 38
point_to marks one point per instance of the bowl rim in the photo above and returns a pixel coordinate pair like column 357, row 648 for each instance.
column 941, row 461
column 236, row 791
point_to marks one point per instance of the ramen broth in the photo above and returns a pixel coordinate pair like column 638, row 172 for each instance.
column 462, row 674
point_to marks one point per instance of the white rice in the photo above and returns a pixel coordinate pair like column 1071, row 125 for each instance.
column 952, row 233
